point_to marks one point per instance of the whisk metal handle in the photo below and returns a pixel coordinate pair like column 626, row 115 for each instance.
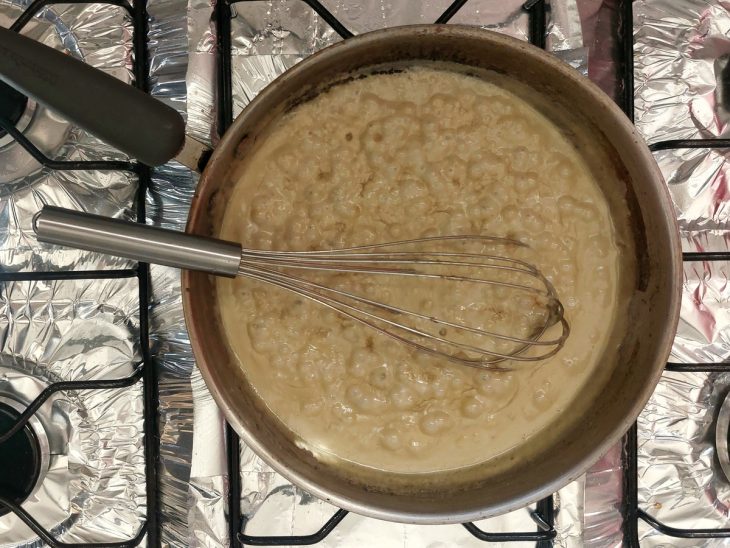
column 149, row 244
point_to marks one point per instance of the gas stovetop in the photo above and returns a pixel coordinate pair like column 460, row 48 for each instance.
column 108, row 436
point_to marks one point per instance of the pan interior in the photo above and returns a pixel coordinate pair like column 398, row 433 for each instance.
column 437, row 144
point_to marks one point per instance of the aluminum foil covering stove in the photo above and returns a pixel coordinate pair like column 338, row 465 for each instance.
column 94, row 489
column 96, row 480
column 682, row 91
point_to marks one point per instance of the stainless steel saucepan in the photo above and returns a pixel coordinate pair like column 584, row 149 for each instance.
column 640, row 205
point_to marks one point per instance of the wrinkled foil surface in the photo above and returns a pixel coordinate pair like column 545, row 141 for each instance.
column 94, row 489
column 78, row 330
column 101, row 35
column 97, row 481
column 681, row 52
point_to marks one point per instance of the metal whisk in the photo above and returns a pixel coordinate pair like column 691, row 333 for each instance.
column 445, row 259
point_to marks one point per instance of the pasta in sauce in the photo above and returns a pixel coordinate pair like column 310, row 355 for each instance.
column 390, row 157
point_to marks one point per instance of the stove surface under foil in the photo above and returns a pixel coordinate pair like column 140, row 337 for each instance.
column 682, row 92
column 93, row 485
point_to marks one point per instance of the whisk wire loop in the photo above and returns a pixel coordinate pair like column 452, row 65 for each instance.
column 409, row 326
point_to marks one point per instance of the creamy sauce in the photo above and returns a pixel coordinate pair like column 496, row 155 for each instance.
column 391, row 157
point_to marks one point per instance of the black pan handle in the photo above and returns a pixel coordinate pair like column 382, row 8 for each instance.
column 113, row 111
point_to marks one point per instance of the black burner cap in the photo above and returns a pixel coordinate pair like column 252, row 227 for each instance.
column 12, row 105
column 20, row 459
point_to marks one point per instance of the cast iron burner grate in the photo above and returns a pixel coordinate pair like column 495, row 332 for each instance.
column 631, row 509
column 12, row 424
column 12, row 105
column 20, row 459
column 146, row 371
